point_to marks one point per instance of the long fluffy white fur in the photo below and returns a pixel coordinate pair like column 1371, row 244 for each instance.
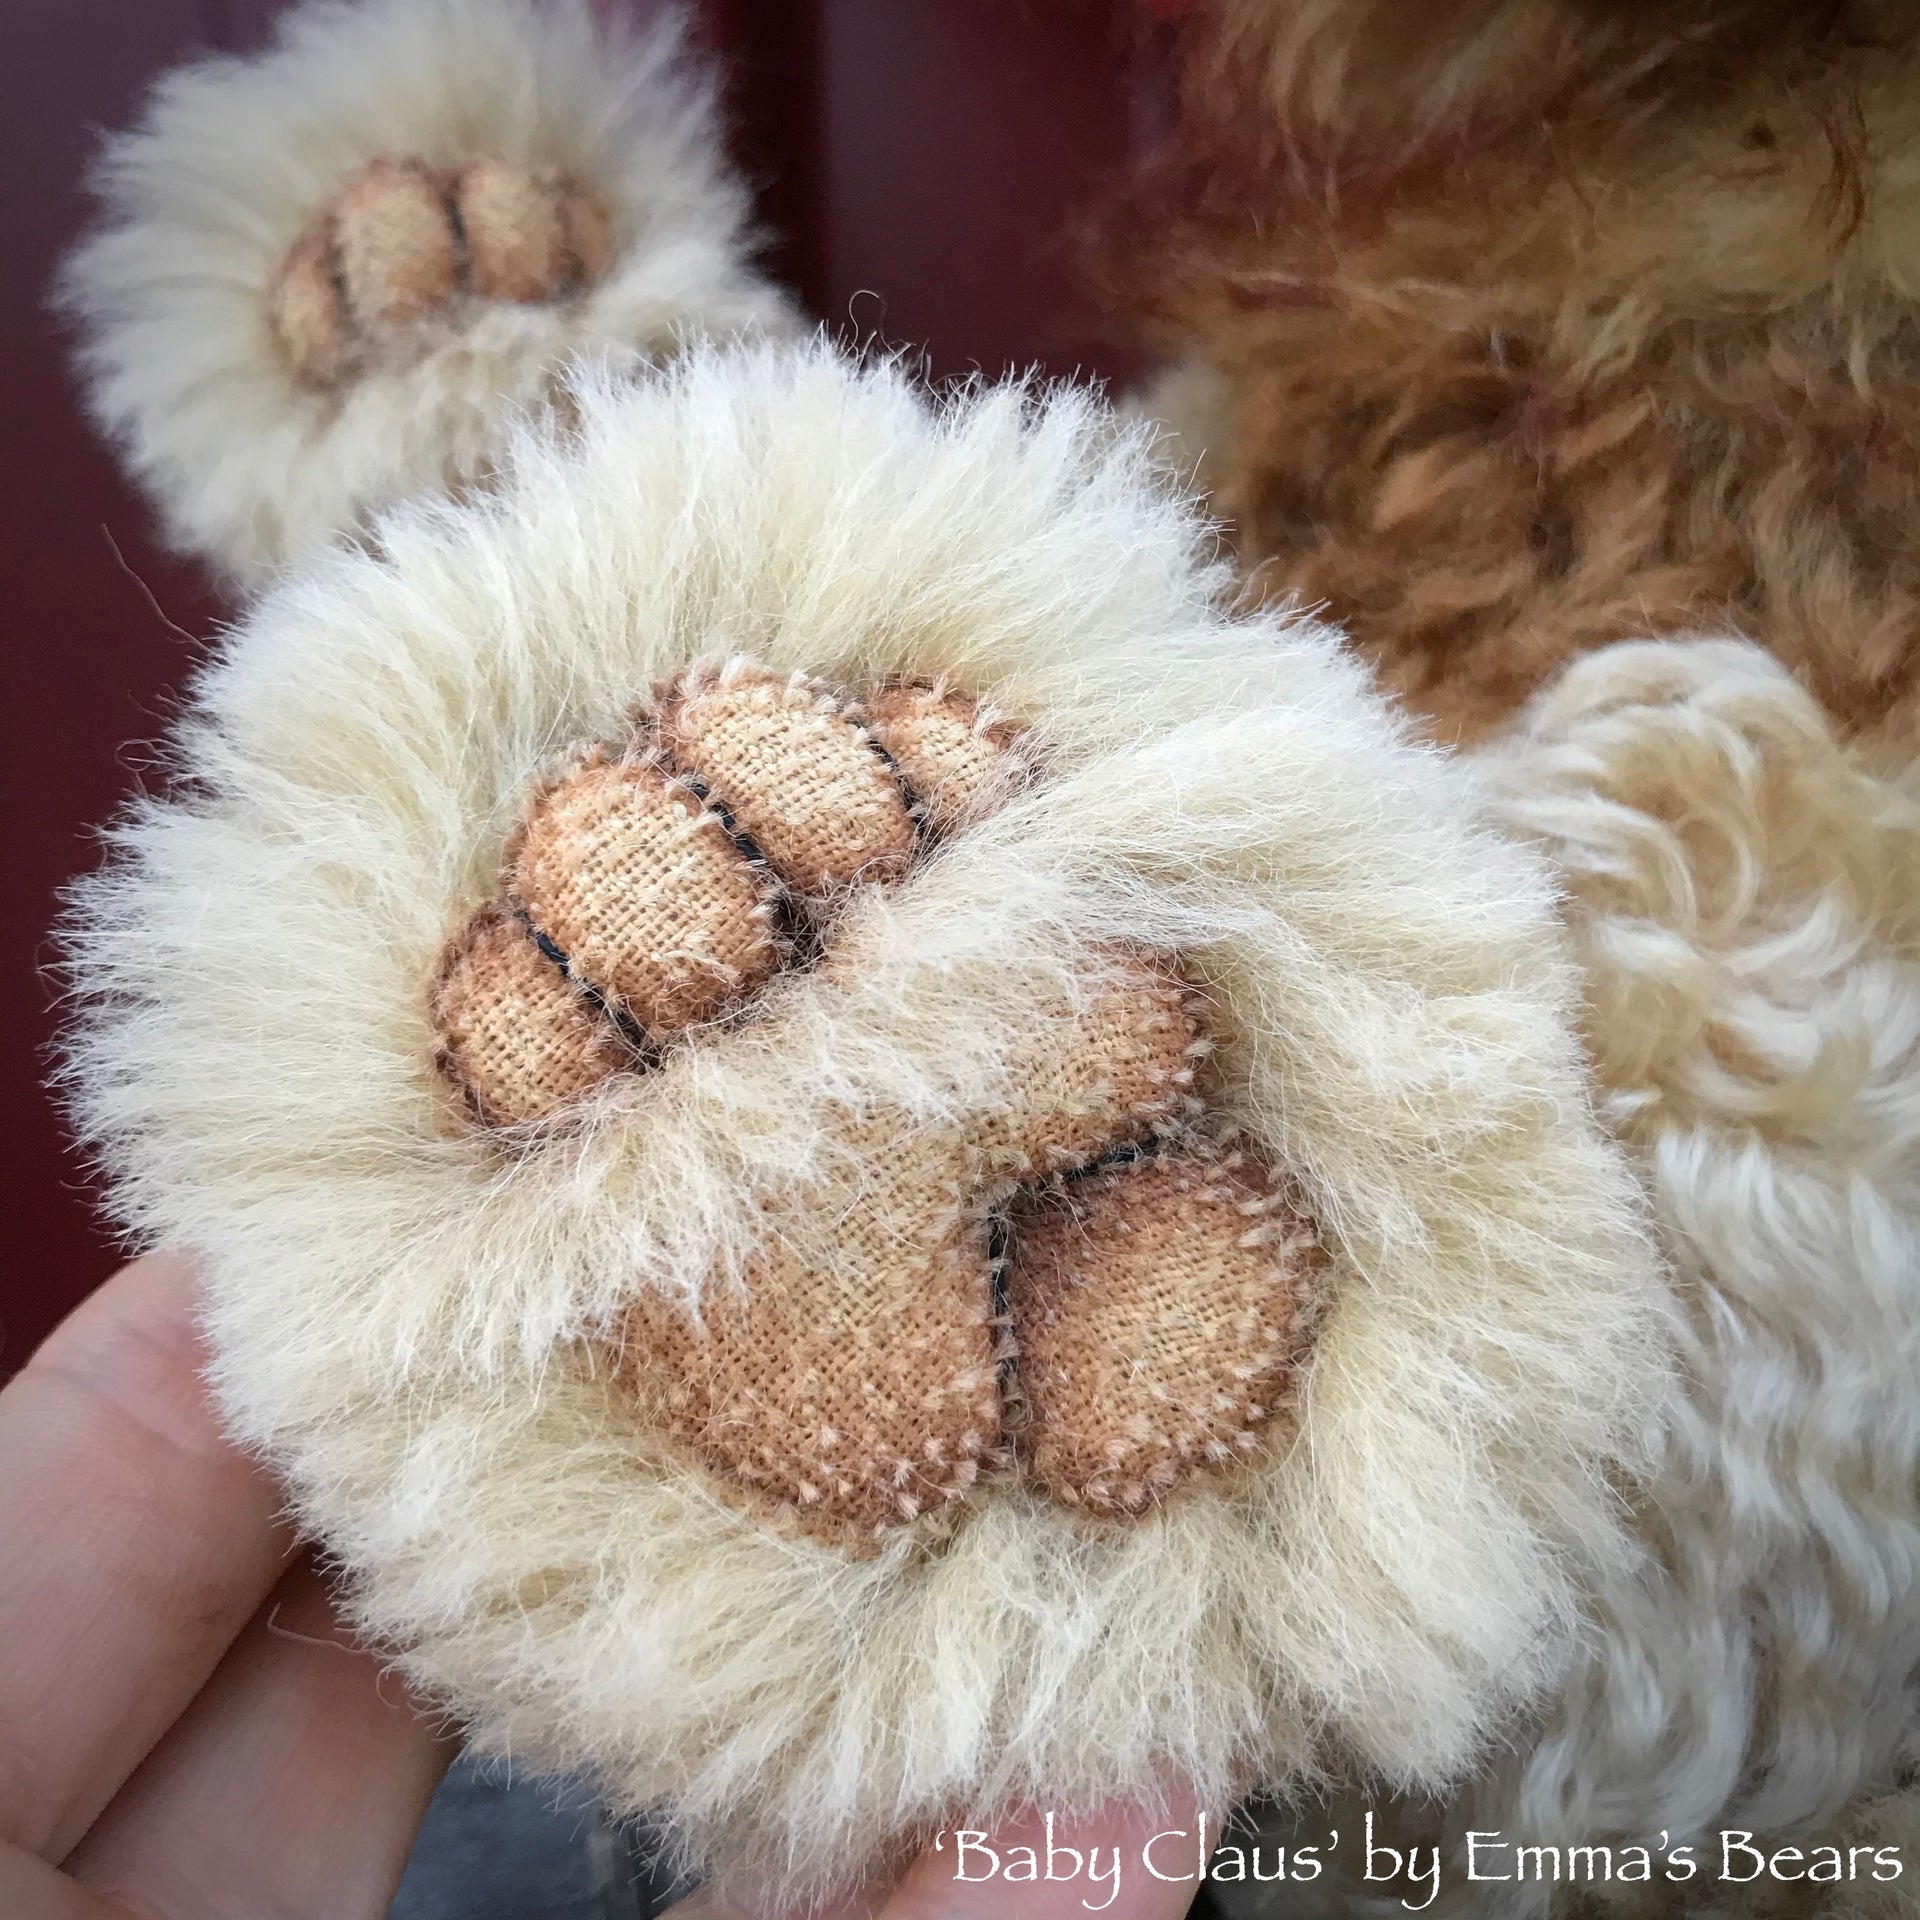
column 203, row 198
column 401, row 1313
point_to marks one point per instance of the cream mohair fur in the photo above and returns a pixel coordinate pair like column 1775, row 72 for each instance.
column 1744, row 895
column 234, row 157
column 1745, row 900
column 404, row 1314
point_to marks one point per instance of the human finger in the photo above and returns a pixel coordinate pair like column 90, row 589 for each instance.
column 138, row 1544
column 30, row 1889
column 294, row 1784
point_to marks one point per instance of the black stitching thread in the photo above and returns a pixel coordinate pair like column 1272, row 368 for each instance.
column 790, row 930
column 900, row 780
column 999, row 1236
column 457, row 227
column 918, row 811
column 546, row 945
column 629, row 1029
column 1150, row 1148
column 735, row 832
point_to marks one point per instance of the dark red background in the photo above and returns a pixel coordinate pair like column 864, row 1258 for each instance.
column 921, row 165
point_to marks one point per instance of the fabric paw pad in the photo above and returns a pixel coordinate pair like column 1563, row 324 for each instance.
column 402, row 242
column 650, row 891
column 1160, row 1307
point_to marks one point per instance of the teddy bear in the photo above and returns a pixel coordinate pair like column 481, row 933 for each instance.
column 874, row 1142
column 862, row 1160
column 1562, row 353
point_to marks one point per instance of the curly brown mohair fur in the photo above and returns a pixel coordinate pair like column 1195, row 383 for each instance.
column 1528, row 326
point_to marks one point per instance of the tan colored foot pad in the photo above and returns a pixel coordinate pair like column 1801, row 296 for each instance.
column 951, row 751
column 519, row 1040
column 859, row 1397
column 530, row 236
column 402, row 240
column 1156, row 1307
column 796, row 768
column 637, row 883
column 1107, row 1074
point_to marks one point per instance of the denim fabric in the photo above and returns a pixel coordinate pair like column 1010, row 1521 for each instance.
column 494, row 1848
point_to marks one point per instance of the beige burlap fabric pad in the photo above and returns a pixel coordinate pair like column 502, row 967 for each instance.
column 514, row 1034
column 790, row 760
column 857, row 1394
column 1100, row 1076
column 401, row 240
column 1155, row 1308
column 858, row 1389
column 853, row 1379
column 949, row 748
column 515, row 229
column 398, row 259
column 641, row 888
column 309, row 318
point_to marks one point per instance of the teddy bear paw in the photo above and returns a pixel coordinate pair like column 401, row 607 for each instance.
column 1081, row 1283
column 404, row 245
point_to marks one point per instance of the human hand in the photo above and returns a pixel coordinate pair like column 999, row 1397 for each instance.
column 186, row 1731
